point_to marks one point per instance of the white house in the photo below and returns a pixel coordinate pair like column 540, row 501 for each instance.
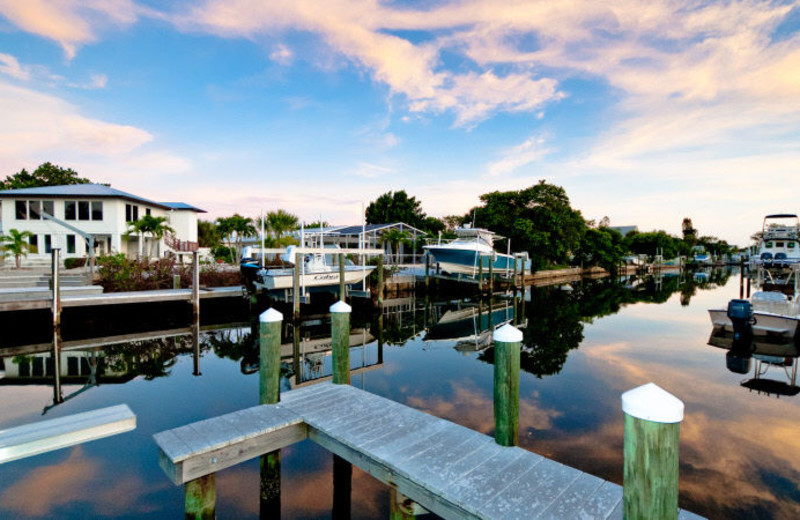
column 97, row 210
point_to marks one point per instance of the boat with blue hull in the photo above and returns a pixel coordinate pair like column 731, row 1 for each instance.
column 465, row 254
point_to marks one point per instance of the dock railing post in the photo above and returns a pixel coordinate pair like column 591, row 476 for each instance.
column 507, row 345
column 269, row 373
column 342, row 286
column 195, row 283
column 56, row 304
column 340, row 337
column 650, row 475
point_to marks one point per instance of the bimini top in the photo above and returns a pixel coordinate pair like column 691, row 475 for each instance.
column 782, row 215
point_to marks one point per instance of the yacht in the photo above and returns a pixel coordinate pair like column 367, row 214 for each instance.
column 465, row 254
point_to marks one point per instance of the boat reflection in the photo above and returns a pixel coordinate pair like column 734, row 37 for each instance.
column 471, row 325
column 772, row 361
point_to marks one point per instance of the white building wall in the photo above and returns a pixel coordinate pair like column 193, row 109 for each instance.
column 184, row 222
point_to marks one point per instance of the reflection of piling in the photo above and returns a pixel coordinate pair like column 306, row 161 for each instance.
column 195, row 283
column 507, row 344
column 200, row 498
column 56, row 355
column 196, row 348
column 340, row 338
column 380, row 281
column 342, row 488
column 342, row 287
column 652, row 425
column 427, row 273
column 269, row 372
column 491, row 274
column 56, row 304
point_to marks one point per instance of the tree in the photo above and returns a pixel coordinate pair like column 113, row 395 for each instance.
column 394, row 237
column 602, row 247
column 452, row 222
column 207, row 234
column 538, row 219
column 655, row 242
column 395, row 207
column 689, row 232
column 17, row 244
column 47, row 174
column 233, row 229
column 156, row 227
column 280, row 221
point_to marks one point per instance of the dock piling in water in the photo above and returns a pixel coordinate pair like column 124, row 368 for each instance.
column 195, row 283
column 342, row 286
column 340, row 337
column 380, row 280
column 650, row 474
column 507, row 345
column 56, row 303
column 200, row 498
column 269, row 373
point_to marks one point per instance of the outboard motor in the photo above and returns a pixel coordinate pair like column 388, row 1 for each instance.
column 738, row 358
column 740, row 312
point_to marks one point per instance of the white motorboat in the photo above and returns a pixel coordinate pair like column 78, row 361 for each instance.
column 779, row 245
column 773, row 312
column 465, row 254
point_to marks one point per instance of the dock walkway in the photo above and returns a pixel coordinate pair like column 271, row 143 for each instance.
column 448, row 469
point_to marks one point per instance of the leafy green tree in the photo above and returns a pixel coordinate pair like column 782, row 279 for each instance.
column 280, row 221
column 452, row 222
column 538, row 219
column 394, row 237
column 689, row 232
column 47, row 174
column 233, row 229
column 654, row 242
column 207, row 234
column 396, row 207
column 156, row 227
column 16, row 243
column 316, row 224
column 601, row 247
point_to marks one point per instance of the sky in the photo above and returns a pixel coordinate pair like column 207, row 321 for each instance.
column 646, row 112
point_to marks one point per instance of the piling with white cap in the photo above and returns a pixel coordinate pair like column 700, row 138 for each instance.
column 269, row 356
column 340, row 338
column 652, row 431
column 507, row 345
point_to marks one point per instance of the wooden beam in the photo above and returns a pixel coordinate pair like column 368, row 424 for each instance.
column 33, row 439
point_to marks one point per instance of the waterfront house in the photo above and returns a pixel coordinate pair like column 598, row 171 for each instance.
column 97, row 210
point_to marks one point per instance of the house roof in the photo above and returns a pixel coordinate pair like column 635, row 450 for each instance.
column 91, row 191
column 356, row 230
column 183, row 205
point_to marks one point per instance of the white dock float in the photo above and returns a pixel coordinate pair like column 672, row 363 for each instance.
column 448, row 469
column 33, row 439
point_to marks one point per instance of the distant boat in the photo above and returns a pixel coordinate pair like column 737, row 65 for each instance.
column 465, row 254
column 779, row 245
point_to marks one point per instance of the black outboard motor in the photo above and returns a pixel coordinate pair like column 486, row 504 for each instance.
column 740, row 312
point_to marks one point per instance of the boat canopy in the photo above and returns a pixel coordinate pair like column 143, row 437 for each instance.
column 782, row 215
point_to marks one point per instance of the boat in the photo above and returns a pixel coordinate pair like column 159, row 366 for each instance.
column 779, row 245
column 464, row 254
column 771, row 314
column 318, row 270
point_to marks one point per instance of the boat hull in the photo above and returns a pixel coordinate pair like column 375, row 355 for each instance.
column 766, row 324
column 278, row 279
column 466, row 261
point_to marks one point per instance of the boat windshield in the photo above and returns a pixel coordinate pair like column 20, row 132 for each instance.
column 785, row 225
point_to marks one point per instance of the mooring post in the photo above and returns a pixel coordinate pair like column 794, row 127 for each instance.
column 741, row 278
column 748, row 284
column 56, row 304
column 400, row 506
column 650, row 472
column 176, row 281
column 195, row 283
column 507, row 345
column 340, row 337
column 427, row 273
column 342, row 286
column 298, row 265
column 380, row 280
column 480, row 272
column 269, row 373
column 200, row 498
column 491, row 274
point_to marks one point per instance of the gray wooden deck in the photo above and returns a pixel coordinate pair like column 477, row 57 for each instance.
column 450, row 470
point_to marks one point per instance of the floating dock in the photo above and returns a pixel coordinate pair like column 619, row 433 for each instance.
column 448, row 469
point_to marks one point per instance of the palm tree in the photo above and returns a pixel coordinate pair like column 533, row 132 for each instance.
column 281, row 221
column 394, row 237
column 235, row 228
column 156, row 227
column 17, row 244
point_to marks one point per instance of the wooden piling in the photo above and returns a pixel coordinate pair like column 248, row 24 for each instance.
column 514, row 279
column 650, row 469
column 56, row 303
column 200, row 498
column 480, row 271
column 195, row 283
column 269, row 368
column 196, row 348
column 298, row 264
column 507, row 344
column 176, row 281
column 427, row 273
column 491, row 274
column 56, row 354
column 340, row 337
column 342, row 286
column 400, row 506
column 380, row 280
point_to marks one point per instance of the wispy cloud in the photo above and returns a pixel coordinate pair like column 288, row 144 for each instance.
column 531, row 150
column 11, row 67
column 281, row 54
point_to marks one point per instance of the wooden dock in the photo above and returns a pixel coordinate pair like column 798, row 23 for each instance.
column 42, row 299
column 448, row 469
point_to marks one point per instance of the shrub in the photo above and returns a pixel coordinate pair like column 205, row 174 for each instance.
column 119, row 274
column 72, row 263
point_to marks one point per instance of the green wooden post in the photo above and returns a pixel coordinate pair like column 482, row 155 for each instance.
column 480, row 271
column 195, row 283
column 342, row 286
column 200, row 498
column 176, row 281
column 507, row 344
column 427, row 273
column 400, row 506
column 269, row 372
column 514, row 279
column 380, row 280
column 340, row 337
column 491, row 274
column 650, row 474
column 298, row 263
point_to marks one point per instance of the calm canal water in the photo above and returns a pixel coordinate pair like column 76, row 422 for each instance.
column 586, row 343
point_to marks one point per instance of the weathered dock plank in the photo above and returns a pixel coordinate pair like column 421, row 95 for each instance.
column 446, row 468
column 33, row 439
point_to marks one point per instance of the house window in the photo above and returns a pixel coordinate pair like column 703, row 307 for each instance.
column 33, row 240
column 35, row 210
column 147, row 212
column 131, row 213
column 97, row 210
column 22, row 210
column 83, row 210
column 48, row 244
column 70, row 212
column 72, row 366
column 71, row 244
column 47, row 207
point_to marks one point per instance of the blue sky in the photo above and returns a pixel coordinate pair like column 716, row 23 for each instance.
column 645, row 112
